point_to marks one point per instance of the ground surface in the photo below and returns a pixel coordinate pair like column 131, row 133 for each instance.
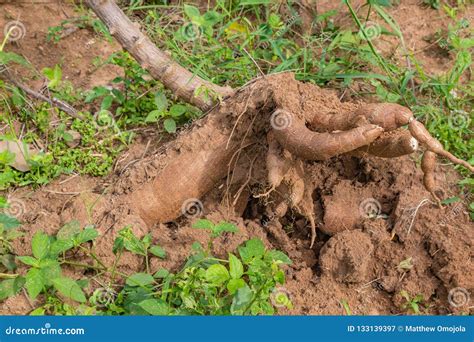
column 358, row 266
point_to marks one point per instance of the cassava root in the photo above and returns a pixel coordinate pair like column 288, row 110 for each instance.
column 209, row 149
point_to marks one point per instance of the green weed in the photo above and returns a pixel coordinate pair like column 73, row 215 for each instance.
column 8, row 232
column 243, row 284
column 412, row 304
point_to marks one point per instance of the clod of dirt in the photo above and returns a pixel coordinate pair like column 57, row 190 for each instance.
column 343, row 209
column 346, row 256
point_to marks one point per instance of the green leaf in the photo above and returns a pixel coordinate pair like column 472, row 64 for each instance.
column 38, row 312
column 107, row 102
column 86, row 235
column 69, row 230
column 275, row 255
column 28, row 260
column 217, row 274
column 7, row 157
column 224, row 227
column 53, row 75
column 50, row 269
column 40, row 245
column 170, row 125
column 385, row 3
column 241, row 300
column 211, row 18
column 8, row 222
column 450, row 200
column 177, row 110
column 196, row 246
column 9, row 57
column 95, row 93
column 158, row 251
column 70, row 289
column 279, row 276
column 253, row 2
column 203, row 224
column 13, row 234
column 130, row 242
column 11, row 287
column 134, row 245
column 153, row 116
column 234, row 284
column 154, row 307
column 160, row 101
column 59, row 246
column 34, row 282
column 191, row 11
column 235, row 266
column 161, row 273
column 83, row 283
column 3, row 202
column 346, row 307
column 118, row 245
column 253, row 248
column 146, row 241
column 8, row 260
column 140, row 279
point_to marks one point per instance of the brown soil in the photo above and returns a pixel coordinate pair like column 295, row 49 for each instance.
column 75, row 53
column 418, row 23
column 355, row 258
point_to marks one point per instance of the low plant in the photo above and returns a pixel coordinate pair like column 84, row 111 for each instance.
column 412, row 304
column 8, row 232
column 245, row 283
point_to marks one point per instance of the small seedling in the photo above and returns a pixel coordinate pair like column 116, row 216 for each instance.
column 143, row 247
column 405, row 265
column 412, row 304
column 215, row 229
column 346, row 307
column 54, row 76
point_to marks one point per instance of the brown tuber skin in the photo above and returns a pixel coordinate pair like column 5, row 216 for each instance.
column 192, row 172
column 391, row 144
column 428, row 164
column 310, row 145
column 376, row 129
